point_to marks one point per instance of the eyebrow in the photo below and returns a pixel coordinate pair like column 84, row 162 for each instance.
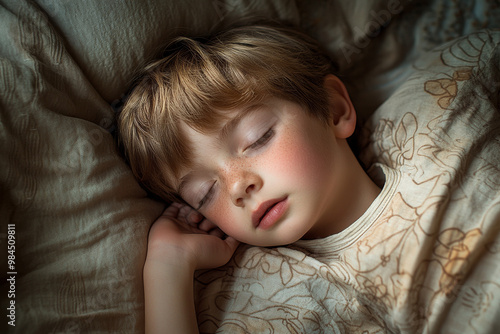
column 226, row 130
column 232, row 124
column 184, row 181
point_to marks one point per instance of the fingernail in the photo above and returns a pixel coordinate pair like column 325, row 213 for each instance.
column 196, row 216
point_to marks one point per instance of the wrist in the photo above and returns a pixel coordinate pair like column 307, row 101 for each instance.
column 164, row 257
column 168, row 293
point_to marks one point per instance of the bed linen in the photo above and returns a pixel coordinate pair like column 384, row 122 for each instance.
column 80, row 218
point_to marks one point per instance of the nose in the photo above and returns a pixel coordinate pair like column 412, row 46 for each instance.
column 242, row 184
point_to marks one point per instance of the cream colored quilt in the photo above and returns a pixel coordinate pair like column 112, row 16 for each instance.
column 76, row 221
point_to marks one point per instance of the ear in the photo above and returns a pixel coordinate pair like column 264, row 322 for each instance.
column 343, row 114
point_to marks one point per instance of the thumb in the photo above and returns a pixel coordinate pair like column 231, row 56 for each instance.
column 217, row 253
column 232, row 243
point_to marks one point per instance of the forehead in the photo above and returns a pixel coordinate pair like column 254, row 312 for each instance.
column 225, row 122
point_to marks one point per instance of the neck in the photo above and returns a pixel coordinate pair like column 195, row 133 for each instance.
column 359, row 192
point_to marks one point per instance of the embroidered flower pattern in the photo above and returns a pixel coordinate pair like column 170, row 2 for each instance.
column 445, row 89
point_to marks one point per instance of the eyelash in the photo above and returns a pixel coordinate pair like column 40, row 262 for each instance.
column 207, row 196
column 262, row 140
column 257, row 144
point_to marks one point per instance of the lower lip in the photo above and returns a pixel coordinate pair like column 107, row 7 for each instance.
column 273, row 215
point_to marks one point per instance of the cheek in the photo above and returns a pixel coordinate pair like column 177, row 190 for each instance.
column 299, row 158
column 222, row 214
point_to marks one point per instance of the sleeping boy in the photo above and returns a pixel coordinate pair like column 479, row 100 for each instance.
column 246, row 133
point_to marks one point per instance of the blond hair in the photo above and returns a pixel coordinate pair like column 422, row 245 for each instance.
column 197, row 79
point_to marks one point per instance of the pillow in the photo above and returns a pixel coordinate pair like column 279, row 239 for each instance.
column 447, row 108
column 77, row 218
column 110, row 40
column 375, row 45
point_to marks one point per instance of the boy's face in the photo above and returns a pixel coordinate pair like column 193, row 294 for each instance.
column 271, row 176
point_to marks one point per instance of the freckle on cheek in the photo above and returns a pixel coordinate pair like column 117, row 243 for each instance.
column 291, row 157
column 220, row 210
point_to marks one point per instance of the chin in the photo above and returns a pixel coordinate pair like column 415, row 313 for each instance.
column 281, row 241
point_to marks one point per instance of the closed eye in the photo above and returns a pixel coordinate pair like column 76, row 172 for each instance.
column 207, row 197
column 262, row 140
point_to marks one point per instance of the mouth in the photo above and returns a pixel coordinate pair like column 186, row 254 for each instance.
column 269, row 212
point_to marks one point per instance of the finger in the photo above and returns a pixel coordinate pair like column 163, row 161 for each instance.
column 178, row 204
column 232, row 243
column 172, row 210
column 194, row 217
column 206, row 225
column 190, row 215
column 217, row 252
column 217, row 232
column 184, row 210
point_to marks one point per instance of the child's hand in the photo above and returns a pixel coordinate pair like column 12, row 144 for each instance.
column 180, row 241
column 181, row 236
